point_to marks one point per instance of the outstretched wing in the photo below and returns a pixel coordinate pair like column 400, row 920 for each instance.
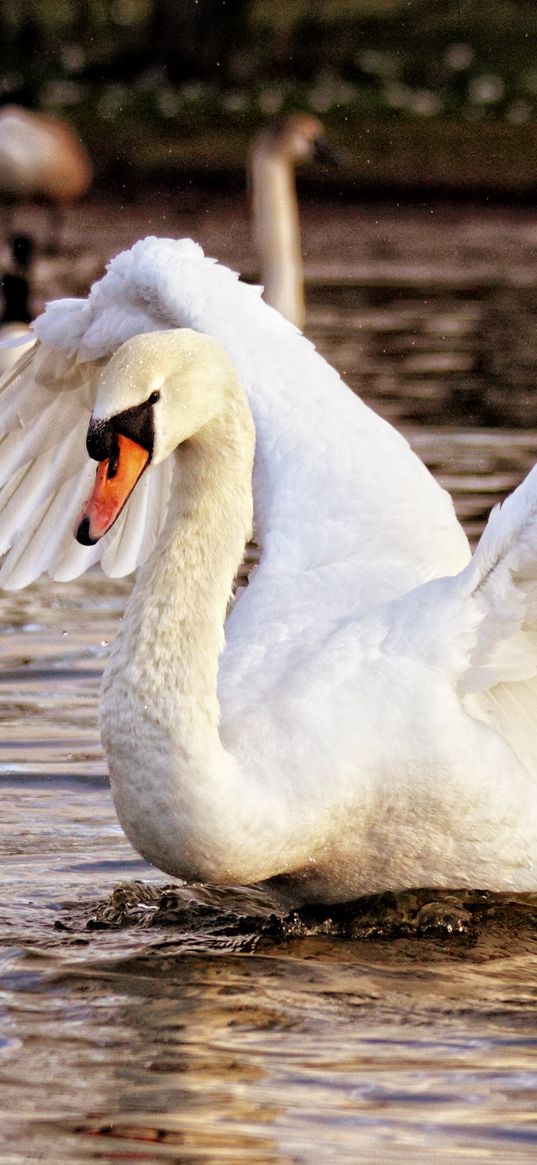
column 45, row 405
column 500, row 684
column 46, row 474
column 481, row 625
column 502, row 585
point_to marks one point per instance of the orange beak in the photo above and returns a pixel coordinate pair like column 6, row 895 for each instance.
column 114, row 482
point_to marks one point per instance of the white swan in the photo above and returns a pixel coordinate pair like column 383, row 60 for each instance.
column 370, row 722
column 275, row 221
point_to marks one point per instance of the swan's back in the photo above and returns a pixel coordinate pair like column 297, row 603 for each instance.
column 339, row 496
column 332, row 481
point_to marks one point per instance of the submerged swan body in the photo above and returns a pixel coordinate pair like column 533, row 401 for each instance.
column 369, row 722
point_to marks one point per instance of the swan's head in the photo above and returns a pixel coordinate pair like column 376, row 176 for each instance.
column 300, row 137
column 158, row 390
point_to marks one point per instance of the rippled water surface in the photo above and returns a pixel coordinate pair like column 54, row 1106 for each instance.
column 195, row 1026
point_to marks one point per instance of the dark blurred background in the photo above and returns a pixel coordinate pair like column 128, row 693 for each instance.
column 421, row 95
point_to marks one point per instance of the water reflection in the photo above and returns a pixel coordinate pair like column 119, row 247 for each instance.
column 310, row 1055
column 445, row 357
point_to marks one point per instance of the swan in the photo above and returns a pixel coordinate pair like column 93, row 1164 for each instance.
column 42, row 159
column 275, row 220
column 364, row 718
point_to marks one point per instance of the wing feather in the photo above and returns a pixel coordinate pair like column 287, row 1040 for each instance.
column 158, row 501
column 500, row 685
column 9, row 489
column 141, row 522
column 482, row 623
column 47, row 537
column 75, row 558
column 24, row 445
column 45, row 473
column 121, row 555
column 502, row 584
column 479, row 627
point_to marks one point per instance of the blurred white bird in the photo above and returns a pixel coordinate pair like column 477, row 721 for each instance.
column 42, row 160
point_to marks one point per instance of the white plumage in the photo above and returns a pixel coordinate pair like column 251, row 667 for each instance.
column 375, row 719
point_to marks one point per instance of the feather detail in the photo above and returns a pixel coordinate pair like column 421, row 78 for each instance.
column 502, row 584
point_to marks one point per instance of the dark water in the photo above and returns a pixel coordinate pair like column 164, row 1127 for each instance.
column 196, row 1027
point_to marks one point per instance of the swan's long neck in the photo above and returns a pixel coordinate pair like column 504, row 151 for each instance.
column 277, row 231
column 173, row 631
column 160, row 709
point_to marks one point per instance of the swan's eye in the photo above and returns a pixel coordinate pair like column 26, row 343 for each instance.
column 155, row 396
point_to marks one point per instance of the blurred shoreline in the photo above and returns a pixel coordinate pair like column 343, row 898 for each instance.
column 490, row 160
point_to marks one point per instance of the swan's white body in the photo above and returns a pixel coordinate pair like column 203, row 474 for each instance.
column 370, row 722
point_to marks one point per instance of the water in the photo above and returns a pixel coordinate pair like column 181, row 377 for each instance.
column 195, row 1027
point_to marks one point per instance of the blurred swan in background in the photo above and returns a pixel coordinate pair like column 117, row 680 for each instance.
column 42, row 160
column 368, row 720
column 276, row 226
